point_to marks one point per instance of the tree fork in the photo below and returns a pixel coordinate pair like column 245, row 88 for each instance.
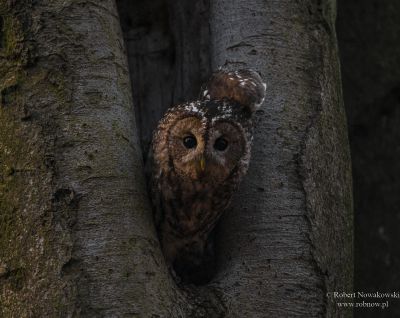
column 72, row 191
column 289, row 234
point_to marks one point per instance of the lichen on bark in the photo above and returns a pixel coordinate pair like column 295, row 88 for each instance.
column 30, row 275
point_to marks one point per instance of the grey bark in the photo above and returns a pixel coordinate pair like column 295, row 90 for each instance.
column 369, row 42
column 290, row 232
column 76, row 232
column 72, row 164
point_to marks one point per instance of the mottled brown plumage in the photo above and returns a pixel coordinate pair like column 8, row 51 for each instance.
column 200, row 152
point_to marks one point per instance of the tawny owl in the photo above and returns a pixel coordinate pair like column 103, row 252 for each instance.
column 200, row 153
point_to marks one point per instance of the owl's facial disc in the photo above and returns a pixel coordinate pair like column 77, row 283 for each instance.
column 206, row 152
column 186, row 147
column 226, row 146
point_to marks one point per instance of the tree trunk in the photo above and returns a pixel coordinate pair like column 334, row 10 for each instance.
column 290, row 232
column 72, row 193
column 76, row 232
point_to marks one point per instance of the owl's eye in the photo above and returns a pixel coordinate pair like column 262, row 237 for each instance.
column 221, row 144
column 190, row 142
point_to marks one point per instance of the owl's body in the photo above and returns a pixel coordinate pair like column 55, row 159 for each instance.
column 201, row 151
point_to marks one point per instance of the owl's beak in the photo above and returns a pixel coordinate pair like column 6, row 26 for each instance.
column 202, row 163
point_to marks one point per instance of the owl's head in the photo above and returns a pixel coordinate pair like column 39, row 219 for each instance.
column 210, row 139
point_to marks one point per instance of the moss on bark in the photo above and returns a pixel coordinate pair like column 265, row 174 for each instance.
column 28, row 241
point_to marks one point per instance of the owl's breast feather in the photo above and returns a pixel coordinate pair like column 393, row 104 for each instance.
column 193, row 207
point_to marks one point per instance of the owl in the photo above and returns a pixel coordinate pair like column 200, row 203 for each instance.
column 200, row 153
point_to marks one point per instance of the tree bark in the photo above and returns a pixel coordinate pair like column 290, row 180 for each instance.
column 289, row 235
column 72, row 193
column 76, row 237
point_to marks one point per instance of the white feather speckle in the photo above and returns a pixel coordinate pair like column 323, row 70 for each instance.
column 193, row 107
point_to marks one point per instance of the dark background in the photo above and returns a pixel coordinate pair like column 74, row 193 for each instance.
column 369, row 42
